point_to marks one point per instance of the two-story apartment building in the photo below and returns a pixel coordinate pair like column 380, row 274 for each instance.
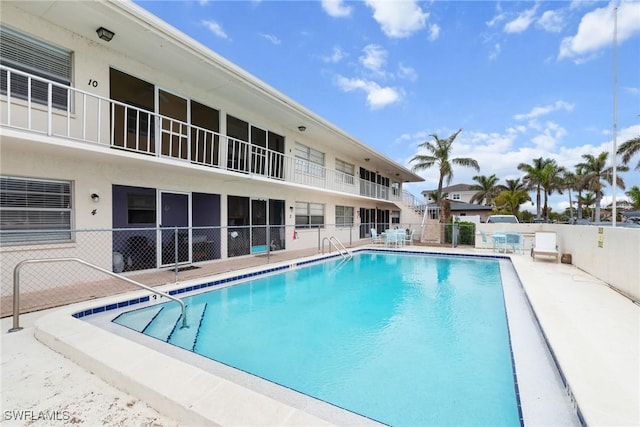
column 111, row 119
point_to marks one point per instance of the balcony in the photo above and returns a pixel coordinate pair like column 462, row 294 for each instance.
column 40, row 106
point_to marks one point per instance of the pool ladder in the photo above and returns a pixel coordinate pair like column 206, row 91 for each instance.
column 333, row 241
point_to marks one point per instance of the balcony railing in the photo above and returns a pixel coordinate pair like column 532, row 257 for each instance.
column 69, row 113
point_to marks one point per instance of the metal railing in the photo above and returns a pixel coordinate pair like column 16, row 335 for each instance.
column 16, row 287
column 337, row 244
column 89, row 118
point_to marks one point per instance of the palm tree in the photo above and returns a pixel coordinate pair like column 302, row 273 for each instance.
column 550, row 179
column 588, row 200
column 439, row 155
column 628, row 149
column 487, row 189
column 510, row 199
column 634, row 197
column 580, row 187
column 533, row 178
column 569, row 180
column 595, row 172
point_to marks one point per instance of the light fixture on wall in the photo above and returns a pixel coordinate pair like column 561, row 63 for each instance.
column 302, row 128
column 291, row 209
column 105, row 34
column 366, row 159
column 95, row 197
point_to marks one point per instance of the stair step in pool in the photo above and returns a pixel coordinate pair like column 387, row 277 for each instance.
column 164, row 323
column 186, row 337
column 139, row 319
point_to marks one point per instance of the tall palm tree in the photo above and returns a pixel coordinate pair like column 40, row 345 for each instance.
column 487, row 188
column 628, row 149
column 634, row 197
column 533, row 178
column 580, row 186
column 439, row 155
column 569, row 180
column 588, row 200
column 510, row 199
column 595, row 172
column 550, row 179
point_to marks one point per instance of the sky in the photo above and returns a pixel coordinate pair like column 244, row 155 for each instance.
column 522, row 79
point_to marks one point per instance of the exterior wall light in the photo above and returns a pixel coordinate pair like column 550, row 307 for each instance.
column 105, row 34
column 302, row 128
column 95, row 197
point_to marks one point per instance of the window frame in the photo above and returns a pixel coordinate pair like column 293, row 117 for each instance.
column 304, row 216
column 38, row 231
column 345, row 172
column 48, row 63
column 309, row 160
column 342, row 217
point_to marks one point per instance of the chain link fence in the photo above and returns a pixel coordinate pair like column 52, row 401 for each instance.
column 158, row 256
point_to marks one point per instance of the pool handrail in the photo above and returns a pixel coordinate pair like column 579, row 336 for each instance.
column 333, row 241
column 16, row 287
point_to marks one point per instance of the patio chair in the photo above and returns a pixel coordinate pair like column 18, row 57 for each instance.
column 408, row 237
column 394, row 238
column 375, row 237
column 544, row 243
column 515, row 241
column 485, row 241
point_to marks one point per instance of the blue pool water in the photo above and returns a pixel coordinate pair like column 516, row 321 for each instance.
column 404, row 339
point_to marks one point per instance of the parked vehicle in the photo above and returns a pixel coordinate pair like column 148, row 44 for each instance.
column 502, row 219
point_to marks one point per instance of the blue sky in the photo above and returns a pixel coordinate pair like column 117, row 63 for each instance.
column 522, row 79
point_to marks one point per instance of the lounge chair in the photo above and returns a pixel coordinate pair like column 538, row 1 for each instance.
column 544, row 243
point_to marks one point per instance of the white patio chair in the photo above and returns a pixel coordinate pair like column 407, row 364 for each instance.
column 544, row 243
column 375, row 237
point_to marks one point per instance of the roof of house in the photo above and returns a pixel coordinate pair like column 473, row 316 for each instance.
column 451, row 188
column 462, row 206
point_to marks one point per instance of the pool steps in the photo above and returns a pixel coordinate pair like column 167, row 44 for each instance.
column 163, row 323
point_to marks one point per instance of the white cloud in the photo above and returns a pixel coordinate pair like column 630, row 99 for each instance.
column 335, row 57
column 377, row 96
column 596, row 31
column 521, row 22
column 336, row 8
column 543, row 110
column 496, row 19
column 408, row 73
column 632, row 90
column 495, row 51
column 215, row 28
column 551, row 21
column 398, row 19
column 548, row 139
column 374, row 58
column 434, row 32
column 273, row 39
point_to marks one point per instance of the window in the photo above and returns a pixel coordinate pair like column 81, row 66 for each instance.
column 309, row 161
column 28, row 207
column 35, row 57
column 345, row 172
column 141, row 208
column 309, row 215
column 344, row 216
column 455, row 196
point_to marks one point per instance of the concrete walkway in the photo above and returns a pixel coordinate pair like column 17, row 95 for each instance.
column 594, row 333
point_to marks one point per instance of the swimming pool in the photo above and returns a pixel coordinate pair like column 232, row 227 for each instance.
column 404, row 339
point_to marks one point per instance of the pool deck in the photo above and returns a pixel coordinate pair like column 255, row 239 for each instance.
column 594, row 333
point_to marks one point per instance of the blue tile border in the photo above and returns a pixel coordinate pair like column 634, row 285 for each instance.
column 292, row 265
